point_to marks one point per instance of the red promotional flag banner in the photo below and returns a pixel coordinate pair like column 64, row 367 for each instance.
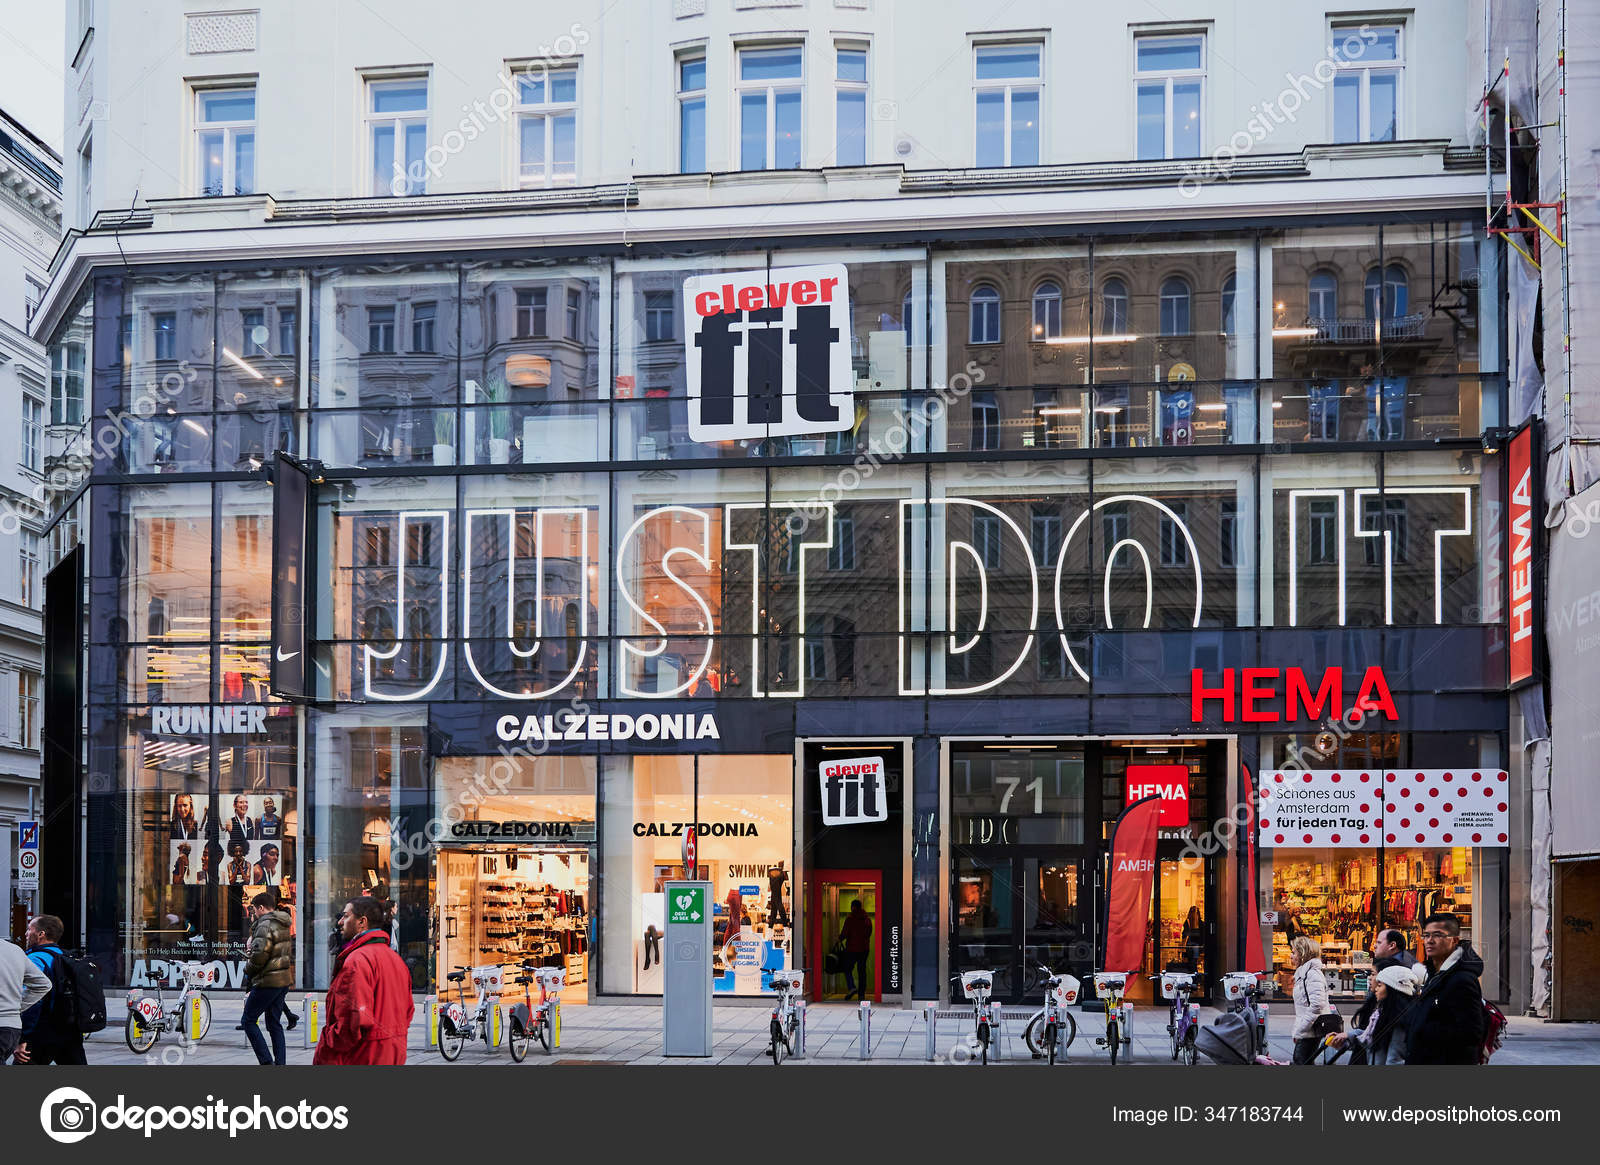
column 1255, row 959
column 1130, row 884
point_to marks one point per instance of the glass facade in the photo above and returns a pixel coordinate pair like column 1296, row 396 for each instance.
column 1069, row 478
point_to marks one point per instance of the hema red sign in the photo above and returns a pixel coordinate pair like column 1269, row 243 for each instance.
column 767, row 353
column 1520, row 454
column 1269, row 695
column 1169, row 782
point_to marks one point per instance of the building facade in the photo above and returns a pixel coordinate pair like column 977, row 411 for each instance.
column 878, row 468
column 30, row 226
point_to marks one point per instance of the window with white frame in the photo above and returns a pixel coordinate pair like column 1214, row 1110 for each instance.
column 253, row 324
column 1113, row 307
column 397, row 128
column 28, row 567
column 380, row 329
column 1323, row 296
column 32, row 433
column 850, row 107
column 532, row 306
column 424, row 321
column 288, row 331
column 574, row 313
column 225, row 141
column 28, row 709
column 1366, row 90
column 984, row 314
column 1174, row 546
column 164, row 335
column 1169, row 85
column 34, row 291
column 66, row 384
column 1230, row 293
column 691, row 114
column 659, row 316
column 1175, row 301
column 986, row 540
column 547, row 127
column 1007, row 83
column 1047, row 311
column 86, row 181
column 771, row 84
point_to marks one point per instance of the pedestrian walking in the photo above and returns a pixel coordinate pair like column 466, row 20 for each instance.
column 270, row 968
column 49, row 1033
column 22, row 985
column 1310, row 998
column 856, row 934
column 1389, row 949
column 369, row 997
column 1446, row 1021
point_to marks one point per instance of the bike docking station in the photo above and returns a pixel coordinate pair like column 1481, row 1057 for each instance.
column 864, row 1052
column 311, row 1021
column 686, row 982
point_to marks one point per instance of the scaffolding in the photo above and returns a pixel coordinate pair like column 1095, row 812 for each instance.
column 1522, row 218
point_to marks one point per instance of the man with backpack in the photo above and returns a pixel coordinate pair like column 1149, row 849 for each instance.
column 1447, row 1020
column 51, row 1033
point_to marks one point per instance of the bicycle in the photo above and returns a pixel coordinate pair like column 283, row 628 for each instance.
column 148, row 1018
column 1110, row 986
column 1053, row 1021
column 1183, row 1022
column 1244, row 992
column 978, row 986
column 785, row 1015
column 456, row 1024
column 535, row 1021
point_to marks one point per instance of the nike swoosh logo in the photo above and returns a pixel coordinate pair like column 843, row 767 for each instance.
column 282, row 658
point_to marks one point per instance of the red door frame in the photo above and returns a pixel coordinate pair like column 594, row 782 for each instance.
column 818, row 877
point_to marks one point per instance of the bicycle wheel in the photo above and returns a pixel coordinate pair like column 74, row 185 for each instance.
column 1067, row 1031
column 205, row 1017
column 451, row 1041
column 779, row 1044
column 517, row 1040
column 1051, row 1032
column 983, row 1041
column 1033, row 1035
column 1113, row 1040
column 1191, row 1054
column 140, row 1036
column 1175, row 1038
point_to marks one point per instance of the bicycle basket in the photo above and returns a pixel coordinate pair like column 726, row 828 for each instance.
column 1066, row 990
column 550, row 978
column 1170, row 981
column 199, row 974
column 970, row 979
column 1236, row 983
column 489, row 979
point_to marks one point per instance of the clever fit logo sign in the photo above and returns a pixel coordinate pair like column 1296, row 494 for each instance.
column 767, row 353
column 853, row 791
column 69, row 1115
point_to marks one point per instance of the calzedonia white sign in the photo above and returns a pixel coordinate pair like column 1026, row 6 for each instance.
column 609, row 726
column 767, row 353
column 854, row 791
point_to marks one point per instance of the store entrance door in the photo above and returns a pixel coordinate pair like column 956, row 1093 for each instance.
column 834, row 894
column 1016, row 914
column 1183, row 923
column 505, row 904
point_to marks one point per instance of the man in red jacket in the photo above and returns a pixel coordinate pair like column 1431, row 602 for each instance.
column 369, row 999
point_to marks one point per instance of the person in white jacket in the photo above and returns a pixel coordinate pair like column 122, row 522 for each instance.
column 1310, row 997
column 22, row 984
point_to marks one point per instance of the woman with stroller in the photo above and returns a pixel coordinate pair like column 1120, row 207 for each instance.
column 1310, row 998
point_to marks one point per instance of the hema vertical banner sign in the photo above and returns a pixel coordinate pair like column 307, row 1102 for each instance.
column 291, row 516
column 767, row 353
column 1520, row 545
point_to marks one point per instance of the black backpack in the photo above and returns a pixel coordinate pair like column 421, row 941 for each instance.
column 80, row 996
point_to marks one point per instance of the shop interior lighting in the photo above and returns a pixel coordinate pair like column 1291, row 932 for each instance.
column 233, row 357
column 1110, row 338
column 1293, row 333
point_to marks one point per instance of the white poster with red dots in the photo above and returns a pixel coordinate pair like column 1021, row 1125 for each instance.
column 1364, row 808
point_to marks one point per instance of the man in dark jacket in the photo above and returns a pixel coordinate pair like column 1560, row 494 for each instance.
column 49, row 1035
column 1388, row 950
column 270, row 967
column 1446, row 1021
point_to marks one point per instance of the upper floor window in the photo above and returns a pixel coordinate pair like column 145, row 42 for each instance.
column 1113, row 307
column 1174, row 546
column 1366, row 91
column 288, row 331
column 86, row 182
column 32, row 433
column 380, row 329
column 253, row 325
column 1388, row 287
column 1007, row 80
column 66, row 384
column 984, row 310
column 1323, row 296
column 28, row 709
column 1047, row 311
column 1230, row 292
column 397, row 127
column 1322, row 531
column 1169, row 79
column 691, row 115
column 1175, row 299
column 850, row 107
column 225, row 140
column 842, row 554
column 532, row 303
column 164, row 334
column 424, row 316
column 547, row 126
column 985, row 420
column 770, row 118
column 574, row 313
column 28, row 569
column 1380, row 518
column 658, row 316
column 986, row 540
column 34, row 292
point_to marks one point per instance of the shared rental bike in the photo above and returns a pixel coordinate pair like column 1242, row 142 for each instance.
column 1052, row 1029
column 1246, row 992
column 785, row 1013
column 1183, row 1021
column 1111, row 988
column 977, row 986
column 458, row 1023
column 148, row 1017
column 535, row 1021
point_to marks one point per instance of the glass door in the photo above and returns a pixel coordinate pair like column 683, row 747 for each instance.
column 845, row 935
column 1016, row 914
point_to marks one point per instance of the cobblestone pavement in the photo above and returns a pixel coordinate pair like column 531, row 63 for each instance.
column 625, row 1033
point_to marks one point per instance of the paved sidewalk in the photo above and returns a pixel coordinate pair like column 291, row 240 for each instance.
column 626, row 1033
